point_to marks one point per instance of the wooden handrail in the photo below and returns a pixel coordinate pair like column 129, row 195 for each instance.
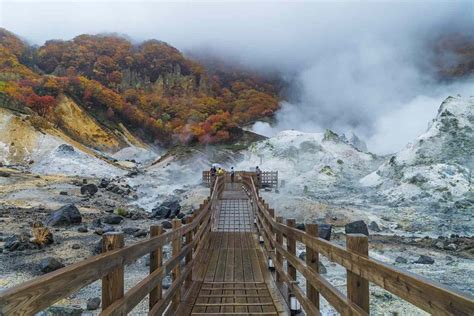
column 428, row 295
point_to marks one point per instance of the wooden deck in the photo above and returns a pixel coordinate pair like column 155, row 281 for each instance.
column 233, row 278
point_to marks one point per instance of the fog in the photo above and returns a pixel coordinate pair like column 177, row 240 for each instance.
column 360, row 66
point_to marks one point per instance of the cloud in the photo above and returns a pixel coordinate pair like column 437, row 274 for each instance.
column 362, row 66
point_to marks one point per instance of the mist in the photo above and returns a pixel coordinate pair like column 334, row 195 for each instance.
column 359, row 66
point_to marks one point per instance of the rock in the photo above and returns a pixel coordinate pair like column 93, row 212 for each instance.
column 130, row 230
column 4, row 174
column 374, row 227
column 50, row 264
column 112, row 219
column 89, row 189
column 166, row 225
column 302, row 255
column 167, row 282
column 424, row 260
column 93, row 303
column 181, row 215
column 104, row 183
column 65, row 149
column 322, row 268
column 324, row 231
column 452, row 247
column 66, row 215
column 401, row 260
column 357, row 227
column 141, row 233
column 63, row 193
column 18, row 243
column 300, row 226
column 97, row 248
column 439, row 245
column 135, row 217
column 167, row 209
column 97, row 223
column 76, row 246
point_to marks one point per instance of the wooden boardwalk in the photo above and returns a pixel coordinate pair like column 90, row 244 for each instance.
column 234, row 277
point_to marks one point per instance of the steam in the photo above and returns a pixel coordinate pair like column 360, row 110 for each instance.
column 355, row 66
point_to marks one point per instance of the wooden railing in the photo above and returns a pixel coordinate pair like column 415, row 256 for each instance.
column 267, row 179
column 39, row 293
column 430, row 296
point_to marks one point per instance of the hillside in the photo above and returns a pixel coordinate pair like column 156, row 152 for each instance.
column 152, row 88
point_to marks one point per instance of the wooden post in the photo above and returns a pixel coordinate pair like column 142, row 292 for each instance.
column 357, row 287
column 112, row 283
column 189, row 256
column 291, row 247
column 312, row 260
column 176, row 244
column 279, row 240
column 156, row 260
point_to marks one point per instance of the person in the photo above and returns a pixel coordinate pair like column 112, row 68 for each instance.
column 232, row 174
column 258, row 172
column 213, row 173
column 220, row 171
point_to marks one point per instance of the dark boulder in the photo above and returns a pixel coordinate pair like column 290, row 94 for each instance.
column 130, row 230
column 168, row 209
column 181, row 215
column 82, row 229
column 104, row 183
column 89, row 189
column 4, row 174
column 93, row 303
column 18, row 243
column 324, row 231
column 166, row 225
column 424, row 260
column 97, row 248
column 401, row 260
column 300, row 226
column 357, row 227
column 66, row 215
column 140, row 234
column 63, row 193
column 50, row 264
column 65, row 149
column 112, row 219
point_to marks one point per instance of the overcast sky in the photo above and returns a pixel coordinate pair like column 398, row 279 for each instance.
column 361, row 66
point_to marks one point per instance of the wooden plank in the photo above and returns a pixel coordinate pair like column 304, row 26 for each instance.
column 176, row 273
column 239, row 276
column 312, row 260
column 155, row 262
column 291, row 248
column 113, row 282
column 357, row 287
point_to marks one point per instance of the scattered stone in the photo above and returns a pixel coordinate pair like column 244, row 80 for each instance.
column 168, row 209
column 4, row 174
column 130, row 230
column 82, row 229
column 452, row 247
column 300, row 226
column 18, row 243
column 167, row 282
column 166, row 225
column 50, row 264
column 97, row 223
column 357, row 227
column 141, row 233
column 324, row 231
column 76, row 246
column 181, row 215
column 302, row 255
column 322, row 268
column 63, row 193
column 61, row 311
column 439, row 245
column 424, row 260
column 93, row 303
column 373, row 226
column 66, row 215
column 112, row 219
column 97, row 248
column 89, row 189
column 104, row 183
column 401, row 260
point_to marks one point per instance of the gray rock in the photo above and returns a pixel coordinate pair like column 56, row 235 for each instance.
column 82, row 229
column 65, row 149
column 167, row 209
column 167, row 282
column 112, row 219
column 50, row 264
column 65, row 216
column 104, row 183
column 300, row 226
column 324, row 231
column 166, row 224
column 425, row 260
column 141, row 233
column 76, row 246
column 373, row 226
column 97, row 248
column 89, row 189
column 322, row 268
column 130, row 230
column 61, row 311
column 93, row 303
column 357, row 227
column 401, row 260
column 18, row 243
column 63, row 193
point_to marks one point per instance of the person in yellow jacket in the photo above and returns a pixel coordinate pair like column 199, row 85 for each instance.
column 220, row 171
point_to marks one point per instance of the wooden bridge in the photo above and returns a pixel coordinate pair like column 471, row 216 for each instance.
column 234, row 257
